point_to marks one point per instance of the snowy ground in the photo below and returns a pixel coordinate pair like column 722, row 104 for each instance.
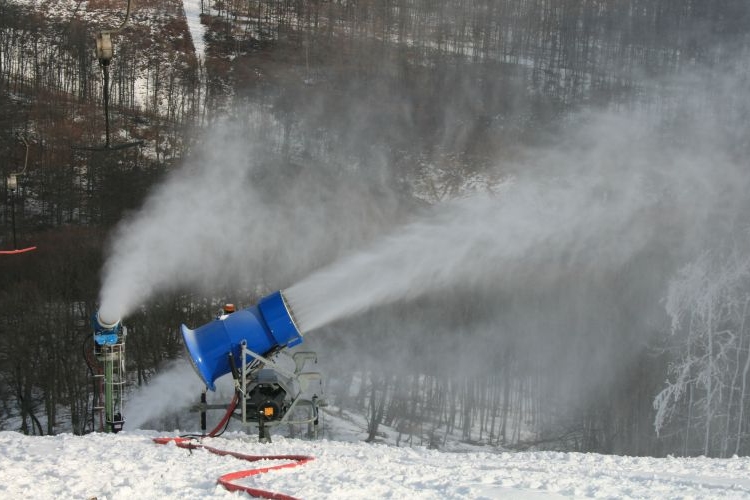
column 197, row 30
column 129, row 465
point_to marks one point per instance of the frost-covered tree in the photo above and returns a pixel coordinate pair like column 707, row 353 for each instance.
column 704, row 403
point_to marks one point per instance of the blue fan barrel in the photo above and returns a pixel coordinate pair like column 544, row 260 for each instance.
column 265, row 328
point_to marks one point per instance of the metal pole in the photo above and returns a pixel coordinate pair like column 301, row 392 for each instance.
column 109, row 406
column 13, row 216
column 203, row 412
column 105, row 68
column 243, row 383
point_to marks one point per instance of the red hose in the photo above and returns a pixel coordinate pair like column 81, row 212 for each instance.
column 16, row 251
column 226, row 479
column 227, row 415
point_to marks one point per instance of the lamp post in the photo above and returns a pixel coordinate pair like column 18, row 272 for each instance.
column 104, row 53
column 12, row 186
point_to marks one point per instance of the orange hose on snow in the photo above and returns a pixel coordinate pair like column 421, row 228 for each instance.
column 227, row 479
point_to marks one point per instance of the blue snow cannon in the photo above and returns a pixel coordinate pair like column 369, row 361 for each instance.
column 264, row 328
column 105, row 332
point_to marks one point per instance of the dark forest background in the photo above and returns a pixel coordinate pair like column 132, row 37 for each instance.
column 433, row 92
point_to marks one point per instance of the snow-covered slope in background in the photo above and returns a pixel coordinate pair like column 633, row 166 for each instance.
column 129, row 465
column 197, row 30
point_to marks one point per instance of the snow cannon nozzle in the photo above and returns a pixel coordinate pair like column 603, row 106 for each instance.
column 105, row 331
column 264, row 329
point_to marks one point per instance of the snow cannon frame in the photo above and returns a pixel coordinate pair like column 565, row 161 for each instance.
column 109, row 375
column 216, row 347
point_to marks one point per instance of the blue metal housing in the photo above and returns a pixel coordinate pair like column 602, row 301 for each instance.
column 105, row 334
column 265, row 327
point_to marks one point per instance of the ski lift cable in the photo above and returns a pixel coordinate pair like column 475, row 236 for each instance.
column 127, row 17
column 26, row 157
column 12, row 178
column 12, row 183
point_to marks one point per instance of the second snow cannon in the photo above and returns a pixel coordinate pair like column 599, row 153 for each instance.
column 106, row 332
column 109, row 372
column 216, row 348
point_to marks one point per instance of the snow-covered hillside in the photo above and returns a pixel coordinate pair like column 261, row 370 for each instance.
column 130, row 465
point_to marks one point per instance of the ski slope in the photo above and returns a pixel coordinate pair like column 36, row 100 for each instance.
column 130, row 465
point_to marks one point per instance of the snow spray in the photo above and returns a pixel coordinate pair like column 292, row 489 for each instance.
column 584, row 208
column 609, row 189
column 174, row 387
column 233, row 217
column 186, row 224
column 586, row 204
